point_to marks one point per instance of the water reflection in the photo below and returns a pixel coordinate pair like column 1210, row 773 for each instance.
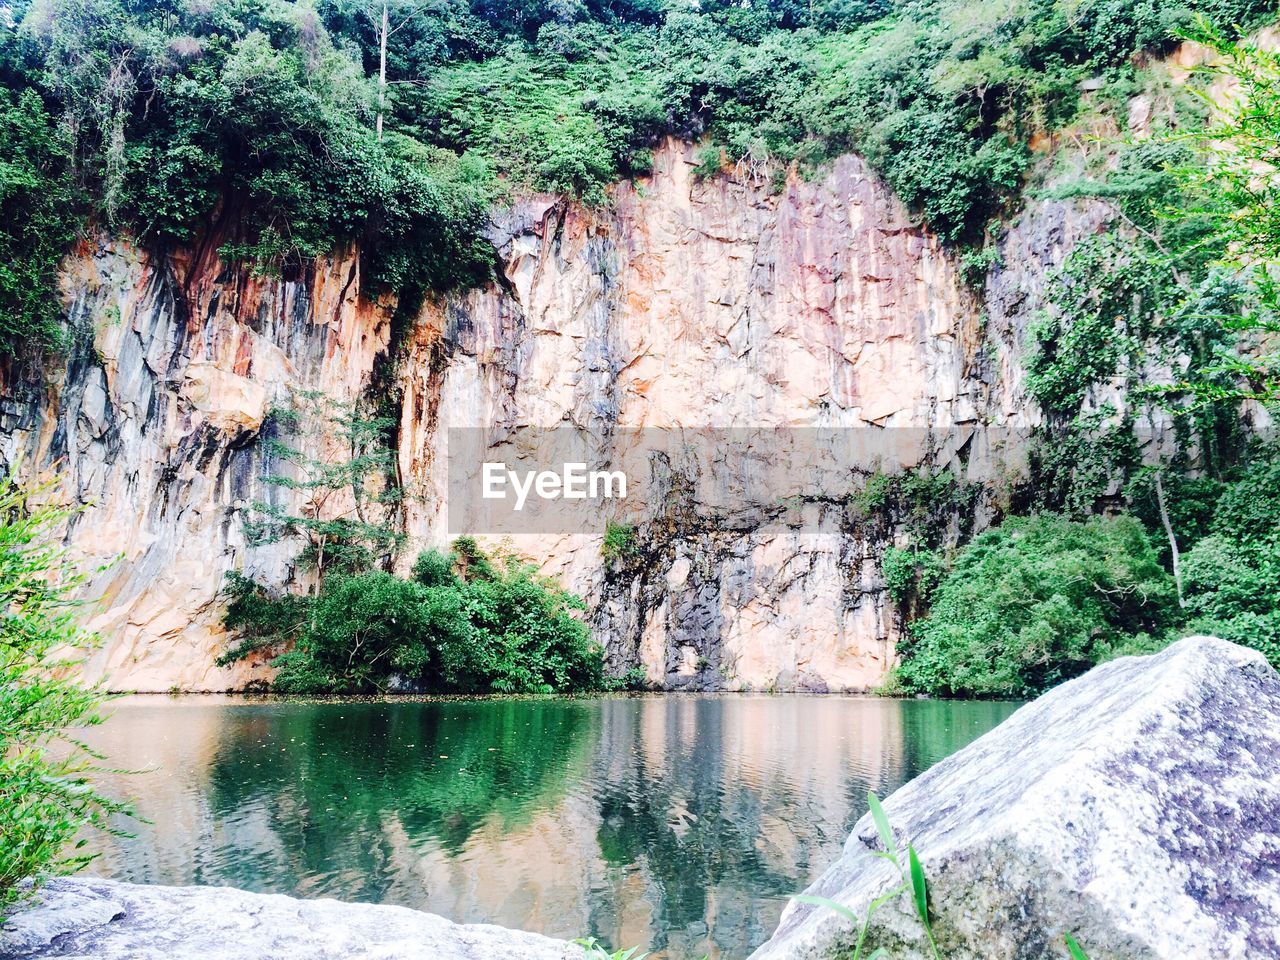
column 679, row 822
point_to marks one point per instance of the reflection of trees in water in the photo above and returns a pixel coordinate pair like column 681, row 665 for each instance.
column 307, row 790
column 723, row 808
column 711, row 811
column 935, row 729
column 668, row 810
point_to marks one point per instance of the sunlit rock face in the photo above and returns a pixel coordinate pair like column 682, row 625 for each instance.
column 721, row 303
column 683, row 303
column 1132, row 808
column 152, row 424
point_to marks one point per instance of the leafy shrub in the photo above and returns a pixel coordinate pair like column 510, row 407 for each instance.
column 1230, row 576
column 38, row 218
column 261, row 619
column 911, row 575
column 462, row 623
column 923, row 500
column 619, row 542
column 1037, row 601
column 46, row 789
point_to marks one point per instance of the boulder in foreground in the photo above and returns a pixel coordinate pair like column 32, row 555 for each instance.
column 1136, row 807
column 107, row 920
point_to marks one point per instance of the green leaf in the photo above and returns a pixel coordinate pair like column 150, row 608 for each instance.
column 884, row 898
column 882, row 825
column 919, row 887
column 1077, row 953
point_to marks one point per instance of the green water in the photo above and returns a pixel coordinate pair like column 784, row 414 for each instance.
column 678, row 822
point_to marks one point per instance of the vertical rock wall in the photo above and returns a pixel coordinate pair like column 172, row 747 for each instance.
column 683, row 303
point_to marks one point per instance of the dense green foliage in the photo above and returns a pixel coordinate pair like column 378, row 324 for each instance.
column 1240, row 204
column 37, row 214
column 46, row 789
column 1037, row 601
column 1138, row 303
column 1040, row 599
column 263, row 125
column 462, row 624
column 619, row 542
column 241, row 123
column 1231, row 575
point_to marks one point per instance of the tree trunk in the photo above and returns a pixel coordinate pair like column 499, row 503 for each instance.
column 382, row 67
column 1173, row 541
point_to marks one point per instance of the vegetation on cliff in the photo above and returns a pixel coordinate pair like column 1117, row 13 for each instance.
column 1174, row 303
column 1041, row 599
column 283, row 130
column 46, row 788
column 463, row 622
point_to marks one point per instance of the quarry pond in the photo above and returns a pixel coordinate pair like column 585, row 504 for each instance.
column 679, row 822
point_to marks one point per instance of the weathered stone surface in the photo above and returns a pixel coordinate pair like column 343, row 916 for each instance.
column 685, row 303
column 1136, row 807
column 720, row 303
column 107, row 920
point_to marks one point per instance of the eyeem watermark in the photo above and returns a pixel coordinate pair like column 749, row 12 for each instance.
column 576, row 480
column 573, row 481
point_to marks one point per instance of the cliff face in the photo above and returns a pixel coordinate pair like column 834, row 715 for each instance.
column 688, row 303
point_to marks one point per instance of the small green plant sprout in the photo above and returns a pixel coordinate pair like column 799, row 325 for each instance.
column 911, row 874
column 1077, row 953
column 592, row 950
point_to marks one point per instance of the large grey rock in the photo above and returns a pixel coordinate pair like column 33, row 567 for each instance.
column 107, row 920
column 1136, row 807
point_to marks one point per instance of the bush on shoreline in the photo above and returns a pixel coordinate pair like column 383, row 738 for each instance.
column 462, row 623
column 1037, row 601
column 1041, row 599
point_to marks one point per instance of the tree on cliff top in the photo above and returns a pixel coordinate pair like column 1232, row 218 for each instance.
column 46, row 789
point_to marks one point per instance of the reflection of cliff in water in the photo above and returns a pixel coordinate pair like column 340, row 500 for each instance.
column 333, row 779
column 681, row 822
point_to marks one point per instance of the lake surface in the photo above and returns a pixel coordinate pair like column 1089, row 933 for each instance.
column 680, row 822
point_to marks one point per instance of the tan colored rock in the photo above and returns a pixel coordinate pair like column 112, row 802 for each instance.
column 232, row 402
column 684, row 303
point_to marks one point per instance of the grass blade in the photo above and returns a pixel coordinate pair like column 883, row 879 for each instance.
column 839, row 908
column 882, row 825
column 919, row 887
column 1077, row 953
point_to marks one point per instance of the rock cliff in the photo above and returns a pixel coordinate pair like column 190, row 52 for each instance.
column 683, row 303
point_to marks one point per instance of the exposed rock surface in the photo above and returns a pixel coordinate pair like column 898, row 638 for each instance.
column 684, row 303
column 1135, row 807
column 107, row 920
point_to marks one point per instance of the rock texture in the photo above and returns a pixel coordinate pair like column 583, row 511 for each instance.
column 1134, row 807
column 107, row 920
